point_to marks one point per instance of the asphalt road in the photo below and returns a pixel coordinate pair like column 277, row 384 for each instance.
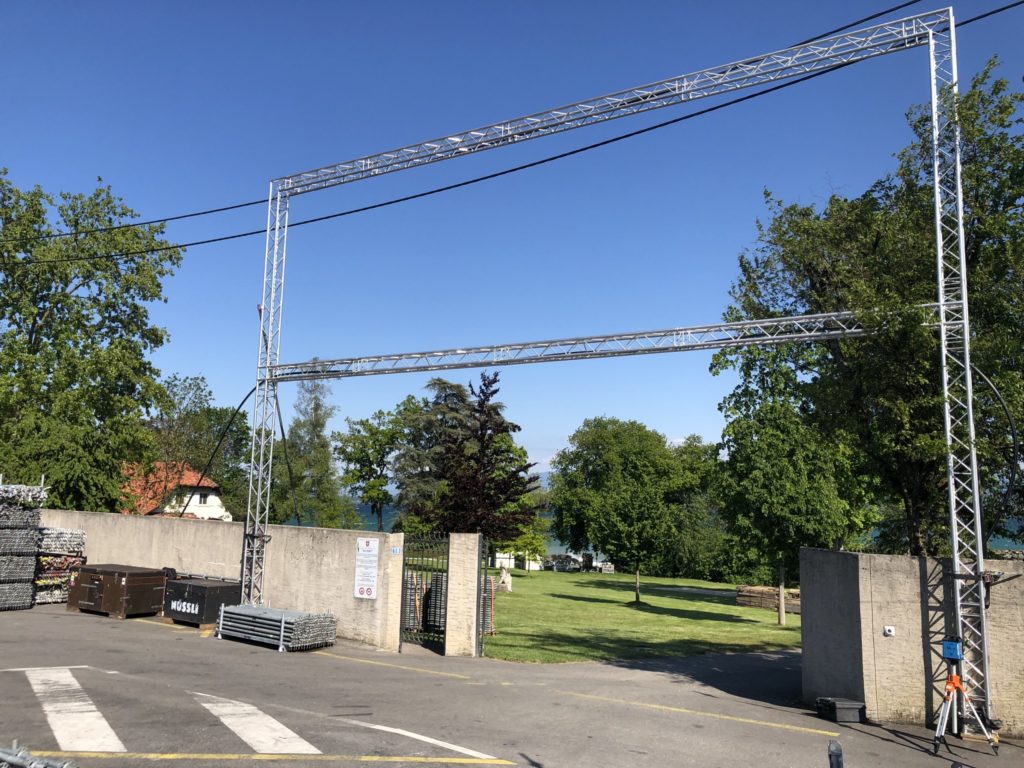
column 139, row 692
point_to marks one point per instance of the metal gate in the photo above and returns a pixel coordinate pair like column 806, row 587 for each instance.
column 485, row 608
column 425, row 589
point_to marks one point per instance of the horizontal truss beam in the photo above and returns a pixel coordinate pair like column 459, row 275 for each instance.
column 779, row 330
column 815, row 56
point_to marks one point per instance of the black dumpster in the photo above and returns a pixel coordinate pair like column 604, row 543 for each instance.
column 195, row 600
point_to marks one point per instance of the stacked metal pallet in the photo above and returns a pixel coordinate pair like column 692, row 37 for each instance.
column 19, row 520
column 60, row 551
column 287, row 630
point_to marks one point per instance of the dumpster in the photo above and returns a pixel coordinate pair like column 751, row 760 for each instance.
column 116, row 590
column 197, row 600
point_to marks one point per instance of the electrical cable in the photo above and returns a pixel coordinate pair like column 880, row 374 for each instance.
column 487, row 177
column 1011, row 484
column 291, row 477
column 872, row 17
column 115, row 227
column 220, row 441
column 448, row 187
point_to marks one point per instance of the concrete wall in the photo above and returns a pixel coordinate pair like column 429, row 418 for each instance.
column 309, row 569
column 849, row 599
column 830, row 593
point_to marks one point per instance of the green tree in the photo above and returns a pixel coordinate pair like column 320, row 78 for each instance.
column 366, row 452
column 698, row 545
column 784, row 483
column 531, row 543
column 75, row 339
column 610, row 491
column 459, row 469
column 315, row 482
column 878, row 400
column 186, row 427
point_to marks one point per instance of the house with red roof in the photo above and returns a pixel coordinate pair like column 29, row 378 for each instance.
column 166, row 488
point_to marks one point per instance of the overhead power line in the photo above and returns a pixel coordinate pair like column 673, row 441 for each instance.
column 477, row 179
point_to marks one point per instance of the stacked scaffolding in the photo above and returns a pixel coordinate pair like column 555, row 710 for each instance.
column 288, row 630
column 61, row 550
column 19, row 537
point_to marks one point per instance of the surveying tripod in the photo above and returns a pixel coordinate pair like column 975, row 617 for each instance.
column 952, row 652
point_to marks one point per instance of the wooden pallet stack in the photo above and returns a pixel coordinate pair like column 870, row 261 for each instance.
column 767, row 597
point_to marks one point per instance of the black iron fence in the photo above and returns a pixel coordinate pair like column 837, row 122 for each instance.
column 425, row 589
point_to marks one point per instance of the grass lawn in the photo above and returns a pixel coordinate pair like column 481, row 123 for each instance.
column 558, row 617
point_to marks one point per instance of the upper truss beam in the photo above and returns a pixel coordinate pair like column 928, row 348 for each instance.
column 747, row 333
column 818, row 55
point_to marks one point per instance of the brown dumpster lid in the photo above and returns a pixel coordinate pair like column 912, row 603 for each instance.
column 125, row 569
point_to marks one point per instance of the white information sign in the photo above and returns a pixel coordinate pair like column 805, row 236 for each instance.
column 367, row 555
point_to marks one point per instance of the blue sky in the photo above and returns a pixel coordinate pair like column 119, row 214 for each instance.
column 186, row 106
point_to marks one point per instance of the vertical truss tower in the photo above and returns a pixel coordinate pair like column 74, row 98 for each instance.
column 965, row 518
column 936, row 30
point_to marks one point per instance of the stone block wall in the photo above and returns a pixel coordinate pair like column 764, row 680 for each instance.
column 849, row 599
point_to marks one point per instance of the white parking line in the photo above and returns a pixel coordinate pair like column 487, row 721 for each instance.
column 256, row 728
column 76, row 723
column 421, row 737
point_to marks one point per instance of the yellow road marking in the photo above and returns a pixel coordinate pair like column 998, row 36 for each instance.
column 394, row 666
column 714, row 715
column 271, row 758
column 174, row 627
column 206, row 633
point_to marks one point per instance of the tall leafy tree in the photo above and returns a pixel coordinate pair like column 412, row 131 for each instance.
column 878, row 399
column 610, row 491
column 367, row 451
column 784, row 483
column 313, row 480
column 75, row 339
column 459, row 469
column 699, row 545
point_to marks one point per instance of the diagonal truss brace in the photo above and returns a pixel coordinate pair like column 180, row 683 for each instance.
column 814, row 56
column 772, row 331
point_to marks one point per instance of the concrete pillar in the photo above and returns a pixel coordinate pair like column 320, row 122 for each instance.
column 393, row 564
column 462, row 620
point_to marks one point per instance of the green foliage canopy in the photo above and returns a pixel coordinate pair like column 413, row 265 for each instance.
column 610, row 491
column 75, row 338
column 459, row 469
column 310, row 476
column 875, row 404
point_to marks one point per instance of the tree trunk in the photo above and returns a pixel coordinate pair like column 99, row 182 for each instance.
column 782, row 595
column 915, row 538
column 636, row 587
column 378, row 510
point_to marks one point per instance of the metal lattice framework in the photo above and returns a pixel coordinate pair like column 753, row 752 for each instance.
column 934, row 29
column 778, row 330
column 965, row 518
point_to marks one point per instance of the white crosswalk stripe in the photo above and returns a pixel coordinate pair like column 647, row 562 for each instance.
column 75, row 721
column 256, row 728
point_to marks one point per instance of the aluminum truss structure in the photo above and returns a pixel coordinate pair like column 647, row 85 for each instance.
column 935, row 30
column 965, row 517
column 779, row 330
